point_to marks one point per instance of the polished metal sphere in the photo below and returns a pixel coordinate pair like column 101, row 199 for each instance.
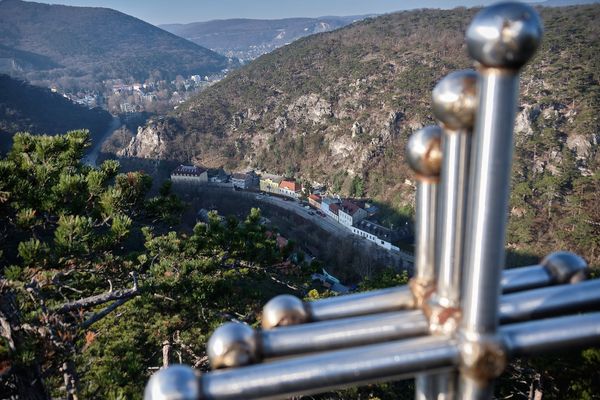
column 284, row 310
column 565, row 267
column 424, row 153
column 176, row 382
column 232, row 345
column 504, row 35
column 455, row 99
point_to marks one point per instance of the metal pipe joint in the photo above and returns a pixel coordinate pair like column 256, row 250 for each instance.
column 482, row 357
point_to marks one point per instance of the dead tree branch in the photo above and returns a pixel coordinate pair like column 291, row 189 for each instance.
column 99, row 298
column 103, row 313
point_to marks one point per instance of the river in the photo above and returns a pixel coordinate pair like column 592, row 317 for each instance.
column 92, row 157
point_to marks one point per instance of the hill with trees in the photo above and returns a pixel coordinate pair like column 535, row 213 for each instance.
column 27, row 108
column 249, row 38
column 76, row 47
column 338, row 107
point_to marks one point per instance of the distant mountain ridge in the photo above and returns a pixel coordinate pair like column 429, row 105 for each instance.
column 83, row 45
column 565, row 3
column 27, row 108
column 250, row 38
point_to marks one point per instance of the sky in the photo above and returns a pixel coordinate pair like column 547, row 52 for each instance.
column 185, row 11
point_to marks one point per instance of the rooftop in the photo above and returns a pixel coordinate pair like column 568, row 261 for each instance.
column 349, row 207
column 240, row 176
column 274, row 178
column 375, row 229
column 330, row 200
column 334, row 208
column 290, row 185
column 188, row 170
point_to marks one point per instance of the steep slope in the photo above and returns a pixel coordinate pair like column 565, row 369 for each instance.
column 250, row 38
column 86, row 45
column 338, row 108
column 26, row 108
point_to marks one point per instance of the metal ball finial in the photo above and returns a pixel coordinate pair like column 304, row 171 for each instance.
column 176, row 382
column 504, row 35
column 284, row 310
column 232, row 345
column 565, row 267
column 424, row 152
column 455, row 99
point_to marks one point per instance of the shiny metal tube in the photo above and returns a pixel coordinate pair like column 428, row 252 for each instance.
column 525, row 278
column 561, row 333
column 454, row 105
column 336, row 369
column 453, row 191
column 367, row 364
column 554, row 300
column 426, row 386
column 488, row 201
column 402, row 298
column 390, row 299
column 377, row 328
column 424, row 155
column 237, row 344
column 373, row 363
column 426, row 211
column 501, row 39
column 328, row 335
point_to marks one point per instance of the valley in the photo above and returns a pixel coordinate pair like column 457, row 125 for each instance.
column 159, row 181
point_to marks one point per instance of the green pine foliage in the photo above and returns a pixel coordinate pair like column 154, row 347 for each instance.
column 93, row 283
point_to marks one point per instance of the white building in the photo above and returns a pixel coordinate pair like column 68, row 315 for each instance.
column 330, row 207
column 376, row 233
column 349, row 214
column 290, row 188
column 189, row 175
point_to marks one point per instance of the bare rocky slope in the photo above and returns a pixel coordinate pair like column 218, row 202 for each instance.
column 338, row 107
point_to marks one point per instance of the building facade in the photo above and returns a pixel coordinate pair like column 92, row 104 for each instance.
column 270, row 183
column 189, row 175
column 350, row 213
column 315, row 201
column 333, row 211
column 290, row 188
column 242, row 181
column 376, row 233
column 327, row 203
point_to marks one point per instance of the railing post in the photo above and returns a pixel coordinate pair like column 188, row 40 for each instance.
column 423, row 152
column 454, row 105
column 501, row 38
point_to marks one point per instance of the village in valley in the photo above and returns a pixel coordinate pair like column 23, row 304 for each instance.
column 357, row 216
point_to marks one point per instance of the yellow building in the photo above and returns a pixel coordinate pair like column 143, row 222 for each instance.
column 270, row 183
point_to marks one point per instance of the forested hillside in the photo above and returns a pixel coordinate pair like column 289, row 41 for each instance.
column 338, row 107
column 79, row 46
column 27, row 108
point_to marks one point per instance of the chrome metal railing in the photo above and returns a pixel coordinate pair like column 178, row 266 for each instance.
column 462, row 316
